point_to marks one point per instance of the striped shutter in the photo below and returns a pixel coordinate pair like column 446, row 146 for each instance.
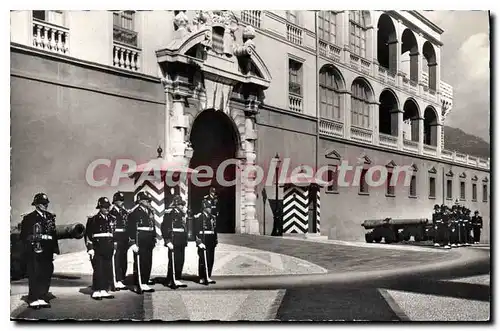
column 295, row 209
column 157, row 191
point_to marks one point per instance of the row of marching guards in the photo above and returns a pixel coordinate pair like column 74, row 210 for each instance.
column 449, row 227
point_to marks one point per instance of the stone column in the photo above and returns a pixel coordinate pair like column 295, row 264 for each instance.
column 345, row 36
column 397, row 126
column 346, row 99
column 435, row 135
column 178, row 127
column 420, row 129
column 251, row 223
column 374, row 111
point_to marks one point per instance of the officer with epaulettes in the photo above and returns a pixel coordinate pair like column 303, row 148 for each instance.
column 206, row 240
column 119, row 214
column 142, row 238
column 175, row 235
column 477, row 225
column 38, row 233
column 100, row 247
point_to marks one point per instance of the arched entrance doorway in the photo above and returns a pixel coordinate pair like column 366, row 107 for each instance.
column 214, row 139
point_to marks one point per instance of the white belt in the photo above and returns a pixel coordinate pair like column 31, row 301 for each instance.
column 46, row 237
column 178, row 229
column 206, row 232
column 98, row 235
column 119, row 230
column 144, row 228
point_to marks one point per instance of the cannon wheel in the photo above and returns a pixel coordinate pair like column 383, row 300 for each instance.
column 368, row 237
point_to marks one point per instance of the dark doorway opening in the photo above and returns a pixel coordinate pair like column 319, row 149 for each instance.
column 214, row 140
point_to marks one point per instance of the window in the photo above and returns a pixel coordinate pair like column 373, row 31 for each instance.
column 413, row 186
column 329, row 95
column 449, row 188
column 357, row 29
column 124, row 19
column 432, row 187
column 292, row 16
column 389, row 186
column 333, row 179
column 474, row 192
column 327, row 26
column 360, row 106
column 124, row 27
column 52, row 16
column 485, row 192
column 218, row 39
column 295, row 77
column 363, row 185
column 462, row 190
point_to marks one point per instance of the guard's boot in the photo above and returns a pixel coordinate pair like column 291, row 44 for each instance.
column 436, row 245
column 96, row 295
column 146, row 288
column 120, row 286
column 43, row 303
column 178, row 283
column 34, row 305
column 210, row 281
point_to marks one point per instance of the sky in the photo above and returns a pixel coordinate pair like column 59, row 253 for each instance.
column 465, row 58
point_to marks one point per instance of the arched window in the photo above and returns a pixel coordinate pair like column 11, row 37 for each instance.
column 360, row 104
column 327, row 26
column 357, row 30
column 329, row 95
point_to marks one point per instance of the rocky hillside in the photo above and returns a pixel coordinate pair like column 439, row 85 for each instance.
column 457, row 140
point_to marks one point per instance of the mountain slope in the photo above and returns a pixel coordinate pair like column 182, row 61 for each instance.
column 457, row 140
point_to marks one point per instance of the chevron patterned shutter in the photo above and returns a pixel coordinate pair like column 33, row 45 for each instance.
column 295, row 209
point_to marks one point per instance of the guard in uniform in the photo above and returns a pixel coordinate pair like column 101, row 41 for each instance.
column 142, row 238
column 454, row 228
column 100, row 247
column 175, row 235
column 38, row 232
column 437, row 218
column 461, row 227
column 119, row 214
column 206, row 241
column 477, row 224
column 466, row 226
column 212, row 198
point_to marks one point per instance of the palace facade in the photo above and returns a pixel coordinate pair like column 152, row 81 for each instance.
column 314, row 87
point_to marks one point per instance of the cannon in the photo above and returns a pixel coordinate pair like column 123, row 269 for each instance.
column 395, row 230
column 17, row 249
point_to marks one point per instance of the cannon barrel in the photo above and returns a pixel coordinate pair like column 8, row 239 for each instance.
column 70, row 231
column 371, row 224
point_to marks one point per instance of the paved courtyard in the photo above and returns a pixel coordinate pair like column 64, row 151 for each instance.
column 268, row 278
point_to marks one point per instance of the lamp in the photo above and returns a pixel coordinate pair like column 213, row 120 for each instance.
column 278, row 224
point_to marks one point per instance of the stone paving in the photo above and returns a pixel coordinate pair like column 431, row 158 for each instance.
column 230, row 260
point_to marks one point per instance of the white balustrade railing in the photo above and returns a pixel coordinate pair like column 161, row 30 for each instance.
column 391, row 77
column 50, row 37
column 354, row 61
column 388, row 140
column 252, row 17
column 126, row 57
column 459, row 157
column 295, row 103
column 331, row 128
column 410, row 145
column 382, row 73
column 361, row 134
column 447, row 155
column 329, row 50
column 430, row 150
column 365, row 66
column 294, row 34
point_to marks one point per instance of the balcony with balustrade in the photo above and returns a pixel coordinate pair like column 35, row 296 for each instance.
column 50, row 37
column 126, row 53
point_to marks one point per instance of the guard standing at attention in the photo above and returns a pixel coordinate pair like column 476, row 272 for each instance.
column 477, row 224
column 120, row 214
column 466, row 226
column 38, row 232
column 142, row 238
column 100, row 247
column 437, row 220
column 206, row 241
column 175, row 236
column 454, row 228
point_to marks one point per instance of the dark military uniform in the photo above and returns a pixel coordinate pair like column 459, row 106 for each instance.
column 99, row 238
column 174, row 231
column 38, row 232
column 206, row 234
column 467, row 226
column 141, row 232
column 120, row 238
column 437, row 220
column 477, row 224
